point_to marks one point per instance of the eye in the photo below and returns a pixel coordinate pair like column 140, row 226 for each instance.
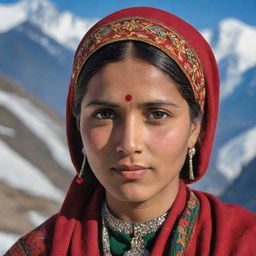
column 158, row 114
column 104, row 114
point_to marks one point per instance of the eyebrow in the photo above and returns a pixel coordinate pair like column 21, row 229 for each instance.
column 101, row 103
column 158, row 103
column 145, row 104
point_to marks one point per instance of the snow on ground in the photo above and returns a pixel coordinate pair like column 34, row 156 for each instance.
column 8, row 131
column 40, row 124
column 21, row 174
column 36, row 218
column 6, row 241
column 237, row 153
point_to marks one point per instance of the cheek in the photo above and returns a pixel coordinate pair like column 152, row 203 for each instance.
column 169, row 140
column 95, row 139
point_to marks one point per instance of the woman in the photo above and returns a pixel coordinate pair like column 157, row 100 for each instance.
column 141, row 117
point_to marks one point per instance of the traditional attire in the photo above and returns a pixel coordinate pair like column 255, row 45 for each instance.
column 197, row 223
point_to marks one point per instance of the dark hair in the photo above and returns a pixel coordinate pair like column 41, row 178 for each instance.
column 118, row 51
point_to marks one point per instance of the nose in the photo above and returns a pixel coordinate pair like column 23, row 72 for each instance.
column 130, row 139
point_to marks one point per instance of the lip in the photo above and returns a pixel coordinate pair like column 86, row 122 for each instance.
column 131, row 172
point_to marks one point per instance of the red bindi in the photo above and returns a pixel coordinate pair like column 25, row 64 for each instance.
column 128, row 97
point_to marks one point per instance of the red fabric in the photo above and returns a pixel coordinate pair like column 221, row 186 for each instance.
column 211, row 75
column 220, row 229
column 84, row 223
column 156, row 34
column 223, row 229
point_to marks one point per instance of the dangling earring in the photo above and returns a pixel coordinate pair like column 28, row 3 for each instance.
column 191, row 153
column 80, row 179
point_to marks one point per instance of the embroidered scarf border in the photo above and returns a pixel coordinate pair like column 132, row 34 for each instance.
column 153, row 33
column 36, row 242
column 184, row 228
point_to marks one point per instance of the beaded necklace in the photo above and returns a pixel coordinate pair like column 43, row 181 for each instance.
column 138, row 230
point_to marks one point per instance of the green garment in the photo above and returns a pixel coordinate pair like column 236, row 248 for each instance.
column 183, row 229
column 120, row 242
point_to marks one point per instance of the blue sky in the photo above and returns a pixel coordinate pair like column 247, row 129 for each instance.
column 200, row 13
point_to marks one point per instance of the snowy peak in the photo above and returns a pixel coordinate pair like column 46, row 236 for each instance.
column 35, row 34
column 234, row 46
column 11, row 15
column 236, row 37
column 38, row 5
column 63, row 26
column 236, row 154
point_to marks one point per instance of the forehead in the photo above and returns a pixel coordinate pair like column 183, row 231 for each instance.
column 131, row 76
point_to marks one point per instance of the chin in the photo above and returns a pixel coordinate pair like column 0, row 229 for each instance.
column 132, row 194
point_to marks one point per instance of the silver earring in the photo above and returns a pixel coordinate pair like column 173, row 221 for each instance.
column 191, row 153
column 80, row 179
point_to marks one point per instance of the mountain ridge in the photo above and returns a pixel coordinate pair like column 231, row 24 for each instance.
column 64, row 27
column 41, row 61
column 227, row 41
column 32, row 181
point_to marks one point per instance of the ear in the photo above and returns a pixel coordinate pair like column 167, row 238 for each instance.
column 194, row 132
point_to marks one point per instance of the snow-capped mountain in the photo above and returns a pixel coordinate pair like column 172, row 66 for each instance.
column 40, row 64
column 36, row 31
column 234, row 42
column 37, row 42
column 242, row 190
column 235, row 48
column 243, row 146
column 63, row 26
column 40, row 25
column 234, row 45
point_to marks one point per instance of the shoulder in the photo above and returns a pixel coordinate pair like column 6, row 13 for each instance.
column 217, row 209
column 36, row 242
column 231, row 226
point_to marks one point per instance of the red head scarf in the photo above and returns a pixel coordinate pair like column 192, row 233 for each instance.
column 76, row 227
column 219, row 229
column 177, row 39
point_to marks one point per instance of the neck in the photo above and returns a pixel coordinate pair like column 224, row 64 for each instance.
column 143, row 211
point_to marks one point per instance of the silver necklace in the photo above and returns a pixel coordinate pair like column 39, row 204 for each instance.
column 138, row 230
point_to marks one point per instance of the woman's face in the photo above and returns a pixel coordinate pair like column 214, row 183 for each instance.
column 136, row 130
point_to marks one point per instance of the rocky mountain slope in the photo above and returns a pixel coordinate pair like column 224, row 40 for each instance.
column 35, row 167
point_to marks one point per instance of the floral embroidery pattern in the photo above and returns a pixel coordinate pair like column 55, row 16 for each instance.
column 153, row 33
column 31, row 244
column 37, row 243
column 185, row 226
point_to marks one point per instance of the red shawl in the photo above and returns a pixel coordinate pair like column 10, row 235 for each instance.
column 220, row 229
